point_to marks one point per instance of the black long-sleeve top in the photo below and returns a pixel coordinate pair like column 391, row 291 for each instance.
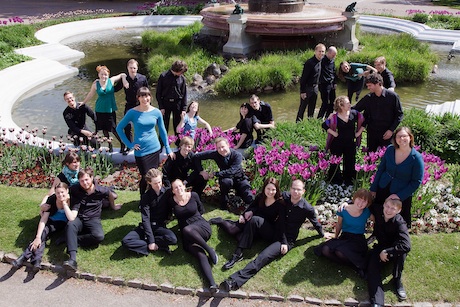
column 76, row 118
column 134, row 85
column 388, row 79
column 229, row 167
column 310, row 74
column 155, row 211
column 178, row 168
column 293, row 218
column 393, row 235
column 171, row 87
column 382, row 112
column 270, row 213
column 190, row 213
column 327, row 75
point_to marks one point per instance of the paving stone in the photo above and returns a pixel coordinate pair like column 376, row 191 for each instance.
column 47, row 266
column 350, row 302
column 313, row 300
column 88, row 276
column 276, row 298
column 151, row 287
column 118, row 281
column 332, row 302
column 134, row 284
column 185, row 291
column 168, row 288
column 295, row 298
column 106, row 279
column 443, row 305
column 9, row 257
column 422, row 304
column 238, row 294
column 2, row 254
column 257, row 296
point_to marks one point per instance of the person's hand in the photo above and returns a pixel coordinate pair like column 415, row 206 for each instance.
column 284, row 249
column 86, row 133
column 205, row 175
column 328, row 236
column 117, row 207
column 334, row 133
column 334, row 86
column 137, row 147
column 172, row 155
column 393, row 196
column 303, row 96
column 384, row 256
column 162, row 111
column 357, row 134
column 241, row 219
column 342, row 207
column 36, row 243
column 182, row 114
column 44, row 207
column 153, row 247
column 387, row 135
column 248, row 215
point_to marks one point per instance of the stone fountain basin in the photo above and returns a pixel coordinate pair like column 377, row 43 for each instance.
column 312, row 20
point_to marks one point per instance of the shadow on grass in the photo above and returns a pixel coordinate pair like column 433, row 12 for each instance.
column 109, row 214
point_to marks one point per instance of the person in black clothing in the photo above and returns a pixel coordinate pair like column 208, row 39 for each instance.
column 393, row 245
column 296, row 211
column 387, row 76
column 244, row 127
column 184, row 168
column 382, row 111
column 327, row 82
column 231, row 172
column 262, row 117
column 75, row 118
column 84, row 227
column 135, row 81
column 195, row 230
column 152, row 234
column 171, row 94
column 309, row 83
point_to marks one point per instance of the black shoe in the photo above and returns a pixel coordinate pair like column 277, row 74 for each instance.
column 213, row 289
column 216, row 220
column 235, row 258
column 213, row 257
column 18, row 262
column 70, row 265
column 165, row 249
column 400, row 291
column 229, row 285
column 36, row 267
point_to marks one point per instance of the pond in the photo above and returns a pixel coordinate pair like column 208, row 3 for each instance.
column 114, row 48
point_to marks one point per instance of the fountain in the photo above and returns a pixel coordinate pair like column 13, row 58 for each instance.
column 277, row 24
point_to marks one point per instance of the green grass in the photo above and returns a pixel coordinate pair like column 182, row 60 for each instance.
column 431, row 272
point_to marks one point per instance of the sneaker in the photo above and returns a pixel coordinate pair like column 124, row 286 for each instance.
column 235, row 258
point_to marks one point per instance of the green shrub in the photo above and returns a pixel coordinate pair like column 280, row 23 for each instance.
column 420, row 18
column 423, row 127
column 171, row 10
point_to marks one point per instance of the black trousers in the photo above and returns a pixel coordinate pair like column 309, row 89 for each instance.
column 375, row 139
column 173, row 109
column 197, row 182
column 269, row 254
column 50, row 227
column 354, row 87
column 255, row 228
column 83, row 233
column 242, row 187
column 328, row 95
column 374, row 276
column 136, row 241
column 348, row 153
column 308, row 103
column 382, row 194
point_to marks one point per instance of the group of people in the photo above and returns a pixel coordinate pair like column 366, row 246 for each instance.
column 76, row 200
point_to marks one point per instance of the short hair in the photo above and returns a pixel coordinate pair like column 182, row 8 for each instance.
column 186, row 140
column 100, row 68
column 381, row 60
column 298, row 180
column 152, row 173
column 143, row 91
column 133, row 61
column 70, row 157
column 339, row 102
column 61, row 185
column 254, row 97
column 190, row 104
column 179, row 66
column 221, row 139
column 409, row 132
column 86, row 171
column 374, row 79
column 395, row 202
column 363, row 194
column 67, row 93
column 320, row 45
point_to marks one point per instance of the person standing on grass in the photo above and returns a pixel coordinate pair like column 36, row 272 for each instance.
column 75, row 118
column 327, row 82
column 84, row 227
column 309, row 83
column 382, row 111
column 296, row 211
column 152, row 234
column 145, row 118
column 134, row 81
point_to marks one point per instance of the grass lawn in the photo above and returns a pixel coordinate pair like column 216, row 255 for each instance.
column 431, row 272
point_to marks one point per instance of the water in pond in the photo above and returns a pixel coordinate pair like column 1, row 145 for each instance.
column 115, row 48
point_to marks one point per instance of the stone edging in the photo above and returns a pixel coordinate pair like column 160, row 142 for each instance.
column 204, row 292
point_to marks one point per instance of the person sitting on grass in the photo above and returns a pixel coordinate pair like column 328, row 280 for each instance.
column 53, row 220
column 349, row 246
column 84, row 227
column 152, row 235
column 190, row 120
column 393, row 245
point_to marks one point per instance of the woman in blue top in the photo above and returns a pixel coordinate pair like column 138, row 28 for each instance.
column 399, row 174
column 105, row 103
column 190, row 120
column 348, row 245
column 353, row 74
column 145, row 118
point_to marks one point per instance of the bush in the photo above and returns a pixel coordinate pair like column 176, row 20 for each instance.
column 420, row 18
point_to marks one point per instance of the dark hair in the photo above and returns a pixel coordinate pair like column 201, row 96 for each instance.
column 179, row 66
column 244, row 105
column 267, row 181
column 340, row 73
column 67, row 93
column 61, row 185
column 186, row 140
column 374, row 79
column 143, row 91
column 86, row 171
column 409, row 132
column 190, row 104
column 70, row 157
column 364, row 194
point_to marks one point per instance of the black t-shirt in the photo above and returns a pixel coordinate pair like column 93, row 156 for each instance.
column 89, row 206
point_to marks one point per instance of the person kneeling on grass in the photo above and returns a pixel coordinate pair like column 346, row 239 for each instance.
column 84, row 227
column 53, row 220
column 393, row 245
column 152, row 234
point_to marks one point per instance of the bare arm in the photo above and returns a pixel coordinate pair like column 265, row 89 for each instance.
column 241, row 140
column 208, row 126
column 338, row 227
column 37, row 242
column 112, row 202
column 91, row 93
